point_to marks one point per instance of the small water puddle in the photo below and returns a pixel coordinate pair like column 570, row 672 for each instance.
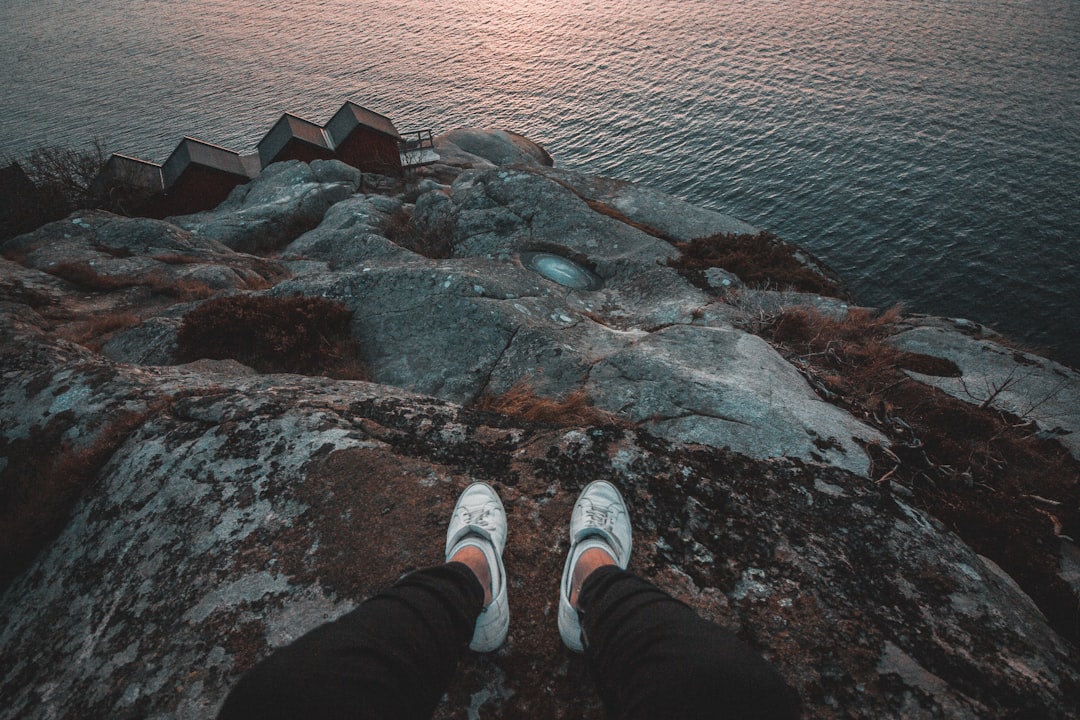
column 561, row 270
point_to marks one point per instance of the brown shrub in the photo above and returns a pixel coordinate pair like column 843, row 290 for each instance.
column 432, row 242
column 304, row 335
column 178, row 259
column 83, row 276
column 973, row 468
column 761, row 259
column 522, row 402
column 55, row 181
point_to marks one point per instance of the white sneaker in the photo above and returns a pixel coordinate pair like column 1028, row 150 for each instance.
column 479, row 519
column 600, row 519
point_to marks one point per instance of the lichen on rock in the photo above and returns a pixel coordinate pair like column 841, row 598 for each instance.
column 217, row 511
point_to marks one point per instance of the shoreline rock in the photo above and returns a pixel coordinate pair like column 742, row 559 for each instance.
column 220, row 509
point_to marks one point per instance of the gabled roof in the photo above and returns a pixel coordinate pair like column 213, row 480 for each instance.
column 290, row 127
column 132, row 172
column 196, row 152
column 351, row 116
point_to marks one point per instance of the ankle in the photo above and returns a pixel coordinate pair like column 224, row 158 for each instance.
column 474, row 559
column 590, row 560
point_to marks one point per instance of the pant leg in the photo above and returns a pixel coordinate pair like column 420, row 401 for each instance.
column 391, row 657
column 654, row 657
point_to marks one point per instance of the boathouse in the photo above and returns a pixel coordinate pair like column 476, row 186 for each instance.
column 129, row 185
column 365, row 139
column 294, row 138
column 199, row 175
column 20, row 201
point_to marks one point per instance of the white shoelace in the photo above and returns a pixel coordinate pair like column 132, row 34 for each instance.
column 480, row 517
column 599, row 517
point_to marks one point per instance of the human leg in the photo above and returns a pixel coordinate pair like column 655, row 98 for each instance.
column 394, row 655
column 651, row 655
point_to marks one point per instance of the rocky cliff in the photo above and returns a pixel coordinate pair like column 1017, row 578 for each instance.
column 199, row 466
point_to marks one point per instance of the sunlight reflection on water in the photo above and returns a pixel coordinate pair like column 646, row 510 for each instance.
column 929, row 151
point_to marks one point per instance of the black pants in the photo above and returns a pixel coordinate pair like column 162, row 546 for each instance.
column 393, row 657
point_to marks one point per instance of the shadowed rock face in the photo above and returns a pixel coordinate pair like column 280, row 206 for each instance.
column 229, row 512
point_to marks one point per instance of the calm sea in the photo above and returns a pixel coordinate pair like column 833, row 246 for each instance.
column 929, row 150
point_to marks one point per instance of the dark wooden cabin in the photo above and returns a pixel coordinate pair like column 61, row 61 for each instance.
column 129, row 185
column 365, row 139
column 199, row 176
column 21, row 203
column 294, row 138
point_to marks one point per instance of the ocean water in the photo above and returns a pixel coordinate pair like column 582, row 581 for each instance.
column 928, row 150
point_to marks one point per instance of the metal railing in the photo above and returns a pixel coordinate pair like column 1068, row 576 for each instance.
column 417, row 148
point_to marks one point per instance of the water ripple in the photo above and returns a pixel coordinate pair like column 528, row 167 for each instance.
column 929, row 150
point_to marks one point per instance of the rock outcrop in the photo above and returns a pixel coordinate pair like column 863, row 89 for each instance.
column 218, row 512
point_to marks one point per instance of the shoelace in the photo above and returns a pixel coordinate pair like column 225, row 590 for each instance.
column 479, row 516
column 599, row 517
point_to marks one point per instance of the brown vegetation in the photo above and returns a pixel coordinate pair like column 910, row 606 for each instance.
column 46, row 474
column 83, row 276
column 432, row 242
column 608, row 211
column 90, row 333
column 86, row 278
column 178, row 259
column 59, row 182
column 984, row 473
column 521, row 401
column 762, row 259
column 305, row 335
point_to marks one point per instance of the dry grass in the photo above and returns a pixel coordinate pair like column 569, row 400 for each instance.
column 182, row 289
column 522, row 402
column 976, row 469
column 608, row 211
column 432, row 242
column 762, row 259
column 178, row 259
column 305, row 335
column 91, row 333
column 86, row 278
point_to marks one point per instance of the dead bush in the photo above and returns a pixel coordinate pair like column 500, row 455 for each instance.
column 433, row 242
column 611, row 212
column 86, row 278
column 984, row 473
column 521, row 401
column 59, row 182
column 757, row 259
column 180, row 289
column 305, row 335
column 178, row 259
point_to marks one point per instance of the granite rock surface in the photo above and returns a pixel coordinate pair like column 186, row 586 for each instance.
column 230, row 511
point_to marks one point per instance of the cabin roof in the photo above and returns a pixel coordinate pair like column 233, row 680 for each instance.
column 132, row 171
column 290, row 127
column 197, row 152
column 351, row 116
